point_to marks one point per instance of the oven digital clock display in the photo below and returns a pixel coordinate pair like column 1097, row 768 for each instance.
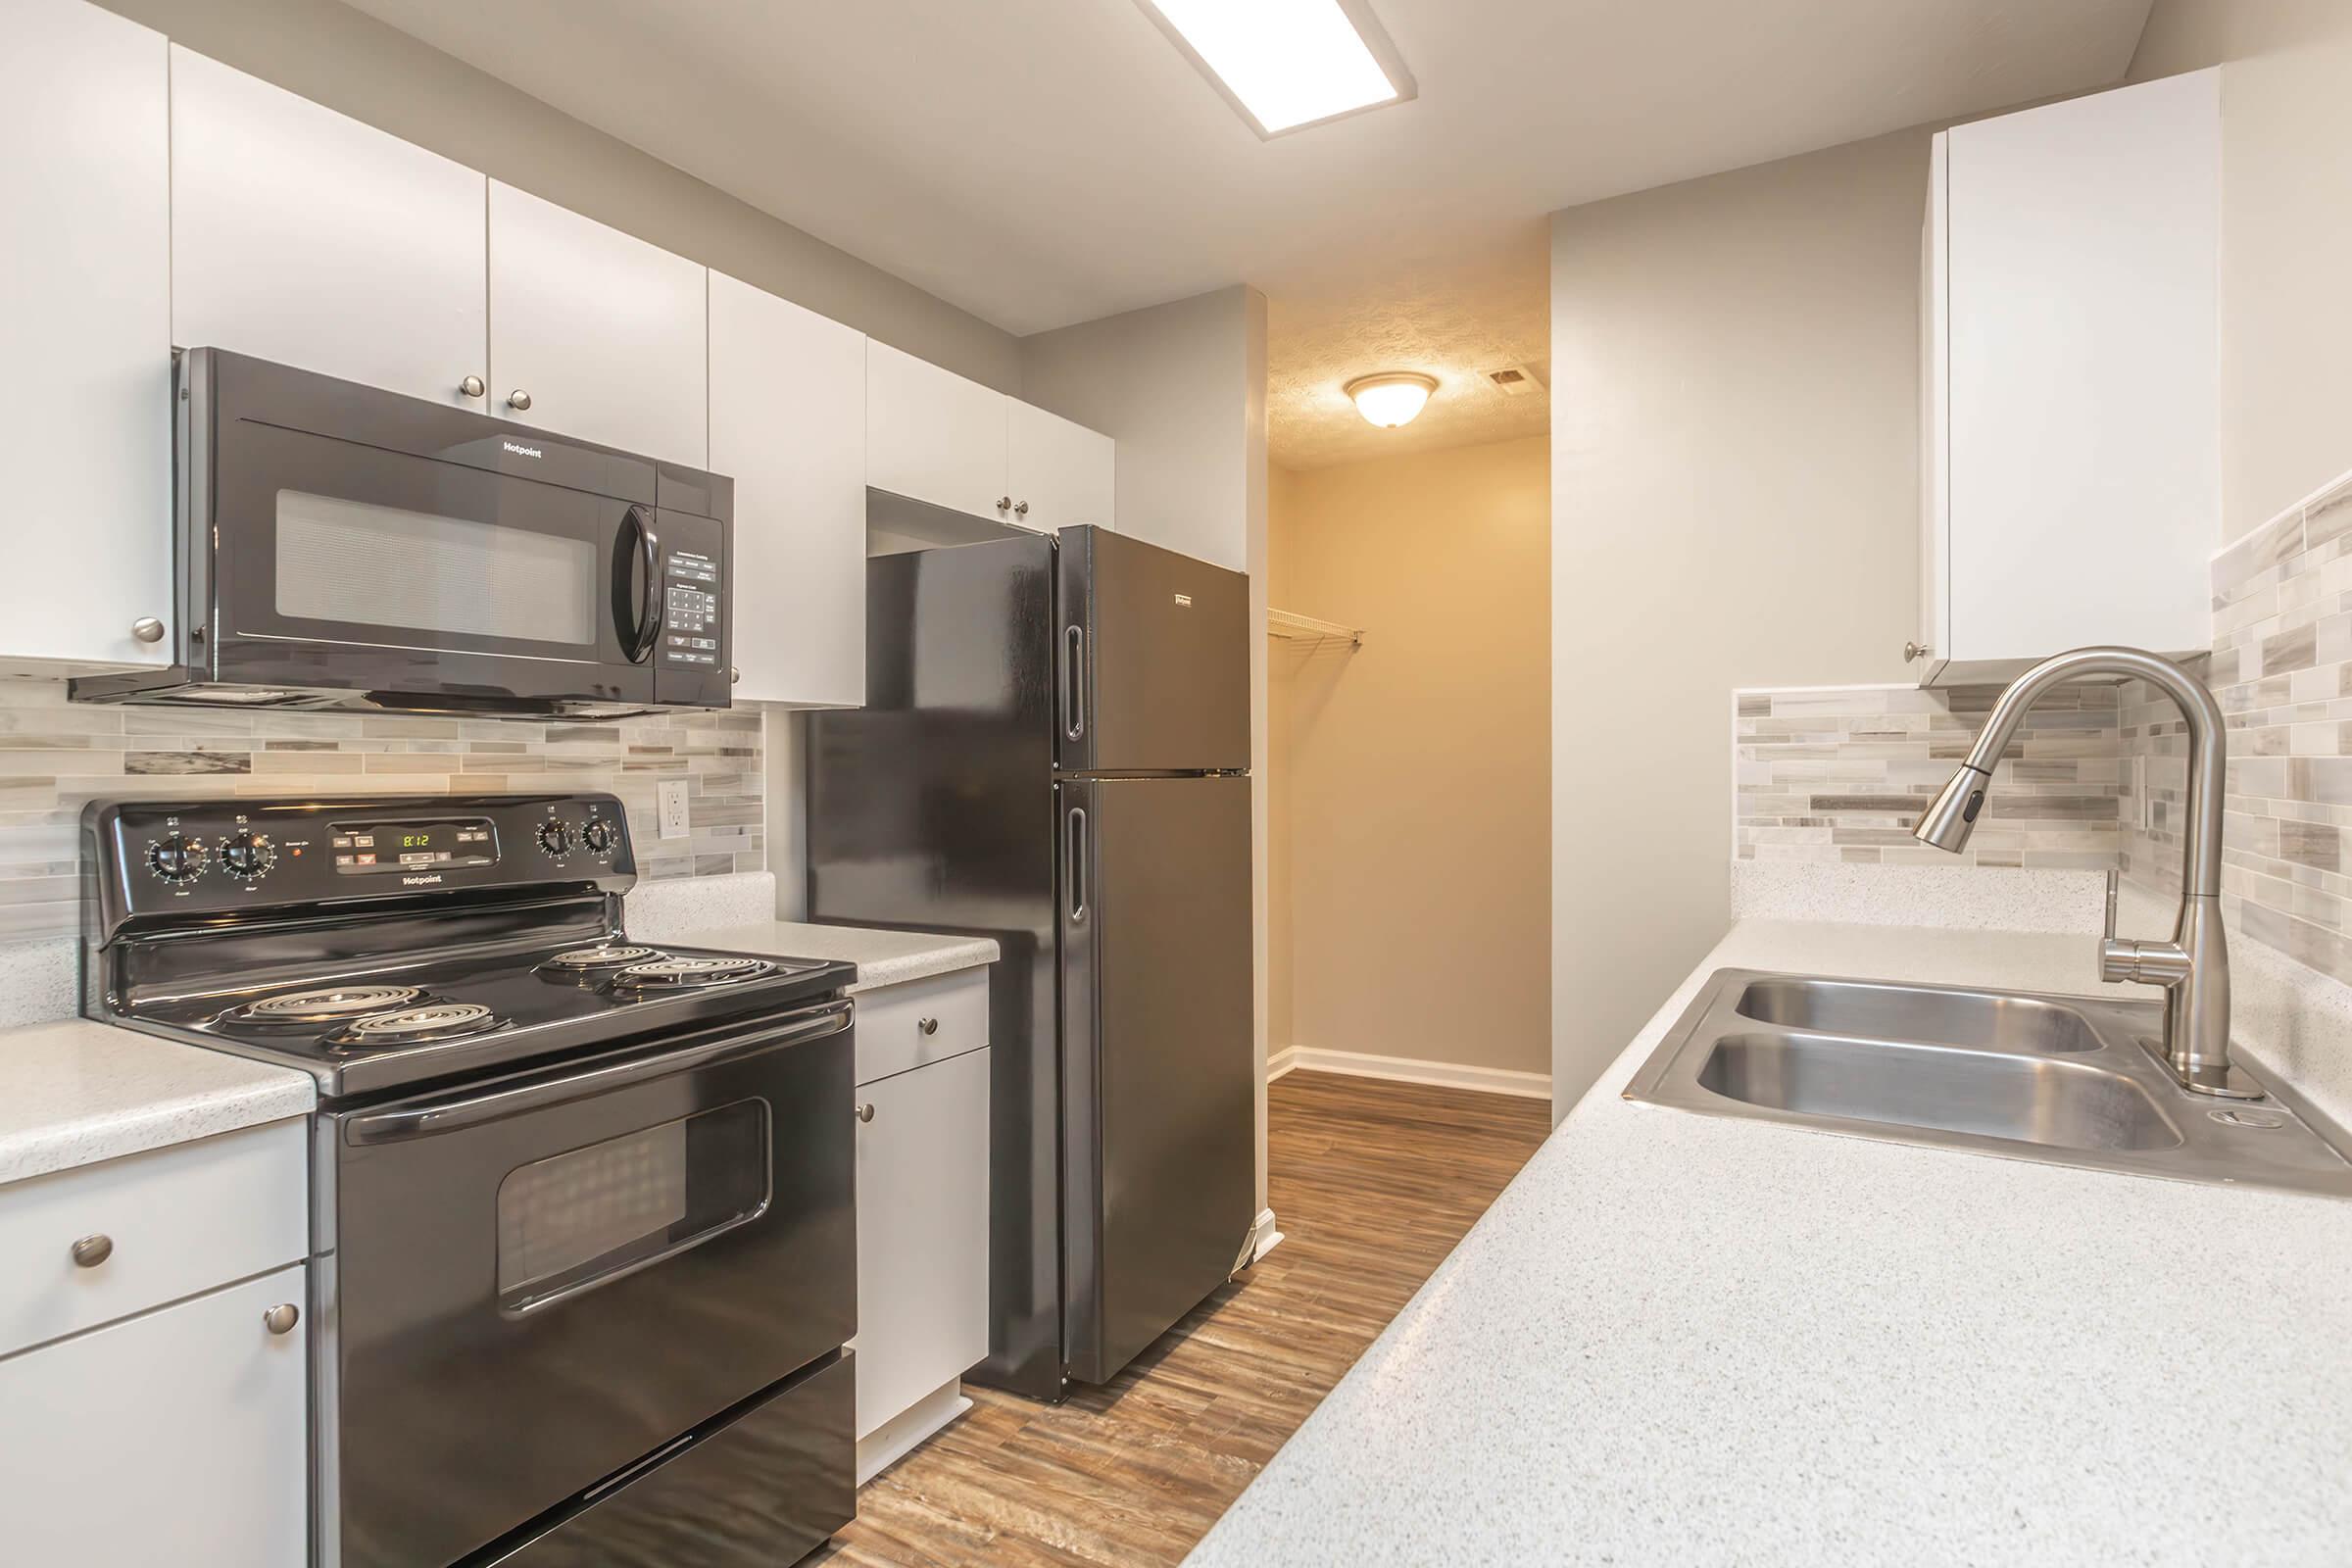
column 361, row 848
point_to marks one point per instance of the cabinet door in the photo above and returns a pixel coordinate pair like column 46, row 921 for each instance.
column 1935, row 420
column 935, row 437
column 601, row 335
column 1062, row 471
column 922, row 1234
column 181, row 1436
column 787, row 425
column 85, row 269
column 2083, row 286
column 301, row 235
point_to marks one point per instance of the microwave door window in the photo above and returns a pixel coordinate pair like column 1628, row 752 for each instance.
column 357, row 564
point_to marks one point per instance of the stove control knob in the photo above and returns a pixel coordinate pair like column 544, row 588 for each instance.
column 555, row 838
column 247, row 856
column 177, row 858
column 599, row 836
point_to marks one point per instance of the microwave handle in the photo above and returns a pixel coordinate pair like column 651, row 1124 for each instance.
column 425, row 1118
column 646, row 634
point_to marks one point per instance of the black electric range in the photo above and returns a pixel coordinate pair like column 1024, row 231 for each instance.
column 584, row 1241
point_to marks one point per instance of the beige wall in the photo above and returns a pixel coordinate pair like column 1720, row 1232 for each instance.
column 2286, row 236
column 375, row 72
column 1182, row 388
column 1413, row 774
column 1735, row 502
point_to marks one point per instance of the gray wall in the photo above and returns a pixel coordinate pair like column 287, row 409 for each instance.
column 1735, row 502
column 2286, row 236
column 375, row 72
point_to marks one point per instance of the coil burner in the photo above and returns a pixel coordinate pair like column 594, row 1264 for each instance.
column 338, row 1005
column 690, row 973
column 410, row 1026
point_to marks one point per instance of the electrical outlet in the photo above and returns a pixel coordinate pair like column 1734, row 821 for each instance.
column 671, row 793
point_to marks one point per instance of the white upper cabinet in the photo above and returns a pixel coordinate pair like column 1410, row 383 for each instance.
column 788, row 425
column 1059, row 472
column 85, row 410
column 301, row 235
column 934, row 436
column 595, row 334
column 2071, row 449
column 937, row 437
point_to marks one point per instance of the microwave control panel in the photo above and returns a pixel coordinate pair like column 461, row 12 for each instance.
column 694, row 606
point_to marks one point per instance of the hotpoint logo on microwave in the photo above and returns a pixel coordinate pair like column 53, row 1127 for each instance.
column 421, row 881
column 521, row 451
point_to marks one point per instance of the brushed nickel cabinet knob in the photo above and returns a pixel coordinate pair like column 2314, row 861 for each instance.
column 282, row 1318
column 519, row 400
column 929, row 1026
column 735, row 674
column 471, row 387
column 865, row 1112
column 147, row 629
column 92, row 1251
column 1003, row 503
column 1915, row 651
column 1021, row 510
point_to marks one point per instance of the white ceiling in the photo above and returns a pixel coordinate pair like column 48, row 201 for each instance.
column 1044, row 161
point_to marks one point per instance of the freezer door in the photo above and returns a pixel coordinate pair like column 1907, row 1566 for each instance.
column 1152, row 658
column 1159, row 1105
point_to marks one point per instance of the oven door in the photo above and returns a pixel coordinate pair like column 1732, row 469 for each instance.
column 345, row 565
column 542, row 1280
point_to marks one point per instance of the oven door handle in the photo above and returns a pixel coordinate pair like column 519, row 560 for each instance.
column 428, row 1118
column 646, row 631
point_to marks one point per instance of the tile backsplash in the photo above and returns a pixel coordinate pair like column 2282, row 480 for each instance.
column 2282, row 670
column 1836, row 775
column 56, row 754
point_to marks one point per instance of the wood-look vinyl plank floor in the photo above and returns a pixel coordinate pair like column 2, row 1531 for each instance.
column 1373, row 1182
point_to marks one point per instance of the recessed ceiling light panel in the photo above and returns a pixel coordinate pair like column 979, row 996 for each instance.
column 1286, row 65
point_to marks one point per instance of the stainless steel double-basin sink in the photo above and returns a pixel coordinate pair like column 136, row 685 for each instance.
column 2065, row 1080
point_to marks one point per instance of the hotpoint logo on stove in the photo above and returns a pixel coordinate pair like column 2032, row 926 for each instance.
column 421, row 881
column 521, row 451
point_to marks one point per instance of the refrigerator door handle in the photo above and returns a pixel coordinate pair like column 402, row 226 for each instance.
column 1073, row 692
column 1077, row 864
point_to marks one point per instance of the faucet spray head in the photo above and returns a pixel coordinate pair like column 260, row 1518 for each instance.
column 1952, row 815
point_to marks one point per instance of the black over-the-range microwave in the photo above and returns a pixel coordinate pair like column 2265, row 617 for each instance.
column 338, row 546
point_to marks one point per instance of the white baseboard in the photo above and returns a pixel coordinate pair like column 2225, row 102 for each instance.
column 1264, row 1237
column 1407, row 1071
column 909, row 1429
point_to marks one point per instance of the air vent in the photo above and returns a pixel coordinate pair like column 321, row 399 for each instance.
column 1515, row 380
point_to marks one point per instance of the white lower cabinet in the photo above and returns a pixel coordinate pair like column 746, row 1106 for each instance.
column 922, row 1248
column 178, row 1437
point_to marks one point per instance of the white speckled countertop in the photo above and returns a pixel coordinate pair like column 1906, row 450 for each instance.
column 1693, row 1340
column 74, row 1093
column 883, row 958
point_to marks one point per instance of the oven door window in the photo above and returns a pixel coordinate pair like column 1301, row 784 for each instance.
column 578, row 1219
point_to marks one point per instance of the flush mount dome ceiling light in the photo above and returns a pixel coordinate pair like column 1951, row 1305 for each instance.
column 1392, row 398
column 1285, row 64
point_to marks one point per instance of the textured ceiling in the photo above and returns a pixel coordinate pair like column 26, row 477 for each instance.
column 1046, row 162
column 1455, row 317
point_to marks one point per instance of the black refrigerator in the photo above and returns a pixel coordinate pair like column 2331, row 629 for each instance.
column 1054, row 753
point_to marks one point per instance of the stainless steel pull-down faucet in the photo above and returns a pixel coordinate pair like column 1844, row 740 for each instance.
column 2193, row 967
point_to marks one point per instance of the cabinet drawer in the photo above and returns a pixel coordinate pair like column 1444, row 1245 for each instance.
column 905, row 1026
column 167, row 1223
